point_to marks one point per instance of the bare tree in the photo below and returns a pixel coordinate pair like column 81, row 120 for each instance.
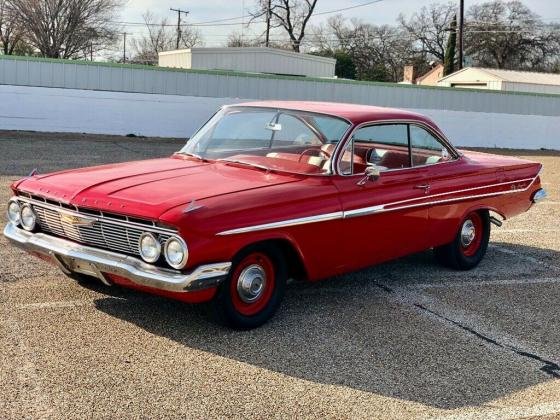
column 235, row 39
column 509, row 35
column 290, row 15
column 66, row 28
column 161, row 36
column 10, row 32
column 377, row 52
column 430, row 27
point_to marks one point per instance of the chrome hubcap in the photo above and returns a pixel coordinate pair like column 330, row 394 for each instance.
column 251, row 283
column 468, row 233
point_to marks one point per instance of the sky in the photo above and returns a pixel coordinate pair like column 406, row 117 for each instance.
column 382, row 12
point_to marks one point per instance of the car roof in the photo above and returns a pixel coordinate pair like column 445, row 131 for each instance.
column 354, row 113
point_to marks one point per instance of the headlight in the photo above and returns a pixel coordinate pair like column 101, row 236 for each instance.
column 14, row 212
column 176, row 252
column 150, row 248
column 28, row 218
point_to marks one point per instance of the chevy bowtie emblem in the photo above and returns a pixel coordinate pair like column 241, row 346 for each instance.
column 76, row 220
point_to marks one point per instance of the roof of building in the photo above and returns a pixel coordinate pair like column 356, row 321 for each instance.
column 529, row 77
column 434, row 69
column 356, row 114
column 249, row 50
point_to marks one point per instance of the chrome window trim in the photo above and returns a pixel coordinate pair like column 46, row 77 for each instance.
column 343, row 138
column 382, row 208
column 109, row 220
column 337, row 155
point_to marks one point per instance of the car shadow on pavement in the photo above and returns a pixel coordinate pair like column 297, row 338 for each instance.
column 353, row 331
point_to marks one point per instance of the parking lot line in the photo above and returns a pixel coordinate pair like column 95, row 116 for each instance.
column 63, row 304
column 56, row 305
column 523, row 256
column 477, row 283
column 524, row 230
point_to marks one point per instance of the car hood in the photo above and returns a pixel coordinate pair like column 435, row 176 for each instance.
column 148, row 188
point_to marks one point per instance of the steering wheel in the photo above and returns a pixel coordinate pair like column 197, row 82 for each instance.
column 322, row 152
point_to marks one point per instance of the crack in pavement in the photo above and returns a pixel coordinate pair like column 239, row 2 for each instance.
column 550, row 368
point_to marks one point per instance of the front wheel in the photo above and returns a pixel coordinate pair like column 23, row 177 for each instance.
column 470, row 243
column 253, row 290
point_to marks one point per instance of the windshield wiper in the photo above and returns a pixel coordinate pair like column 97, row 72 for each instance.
column 242, row 162
column 194, row 155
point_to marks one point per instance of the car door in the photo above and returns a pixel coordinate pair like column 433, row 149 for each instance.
column 381, row 220
column 448, row 178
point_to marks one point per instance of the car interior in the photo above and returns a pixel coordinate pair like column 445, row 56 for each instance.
column 298, row 143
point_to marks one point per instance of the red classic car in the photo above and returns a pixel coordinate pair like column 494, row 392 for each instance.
column 268, row 191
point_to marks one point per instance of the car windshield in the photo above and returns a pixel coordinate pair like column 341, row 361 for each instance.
column 268, row 139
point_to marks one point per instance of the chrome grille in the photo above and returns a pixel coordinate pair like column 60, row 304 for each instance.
column 102, row 233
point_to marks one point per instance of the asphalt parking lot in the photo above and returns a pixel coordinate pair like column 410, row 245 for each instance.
column 406, row 339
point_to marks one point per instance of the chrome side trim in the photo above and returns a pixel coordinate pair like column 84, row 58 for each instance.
column 382, row 208
column 285, row 223
column 101, row 261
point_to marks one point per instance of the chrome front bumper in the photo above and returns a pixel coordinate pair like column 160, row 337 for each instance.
column 73, row 257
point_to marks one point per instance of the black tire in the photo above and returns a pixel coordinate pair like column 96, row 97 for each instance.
column 459, row 256
column 228, row 306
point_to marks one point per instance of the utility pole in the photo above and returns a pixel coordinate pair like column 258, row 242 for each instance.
column 267, row 24
column 460, row 34
column 179, row 11
column 124, row 47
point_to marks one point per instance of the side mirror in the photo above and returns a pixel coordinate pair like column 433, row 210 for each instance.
column 371, row 174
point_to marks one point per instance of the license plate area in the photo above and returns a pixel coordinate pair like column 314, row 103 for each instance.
column 80, row 266
column 73, row 265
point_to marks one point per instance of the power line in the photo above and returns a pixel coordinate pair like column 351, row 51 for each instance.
column 219, row 21
column 347, row 8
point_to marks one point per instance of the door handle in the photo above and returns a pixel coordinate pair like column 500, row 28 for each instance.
column 425, row 187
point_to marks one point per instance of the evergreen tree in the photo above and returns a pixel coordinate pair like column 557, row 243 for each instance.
column 449, row 59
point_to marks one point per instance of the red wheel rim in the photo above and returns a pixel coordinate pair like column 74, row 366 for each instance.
column 471, row 234
column 247, row 297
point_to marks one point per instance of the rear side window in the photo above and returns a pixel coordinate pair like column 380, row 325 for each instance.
column 426, row 149
column 385, row 145
column 392, row 146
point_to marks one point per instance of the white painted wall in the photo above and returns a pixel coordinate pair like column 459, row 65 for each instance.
column 87, row 111
column 97, row 112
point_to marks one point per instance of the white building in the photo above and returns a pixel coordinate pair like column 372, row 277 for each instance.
column 506, row 80
column 253, row 60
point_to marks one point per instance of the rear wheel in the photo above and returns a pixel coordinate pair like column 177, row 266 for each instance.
column 470, row 243
column 252, row 292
